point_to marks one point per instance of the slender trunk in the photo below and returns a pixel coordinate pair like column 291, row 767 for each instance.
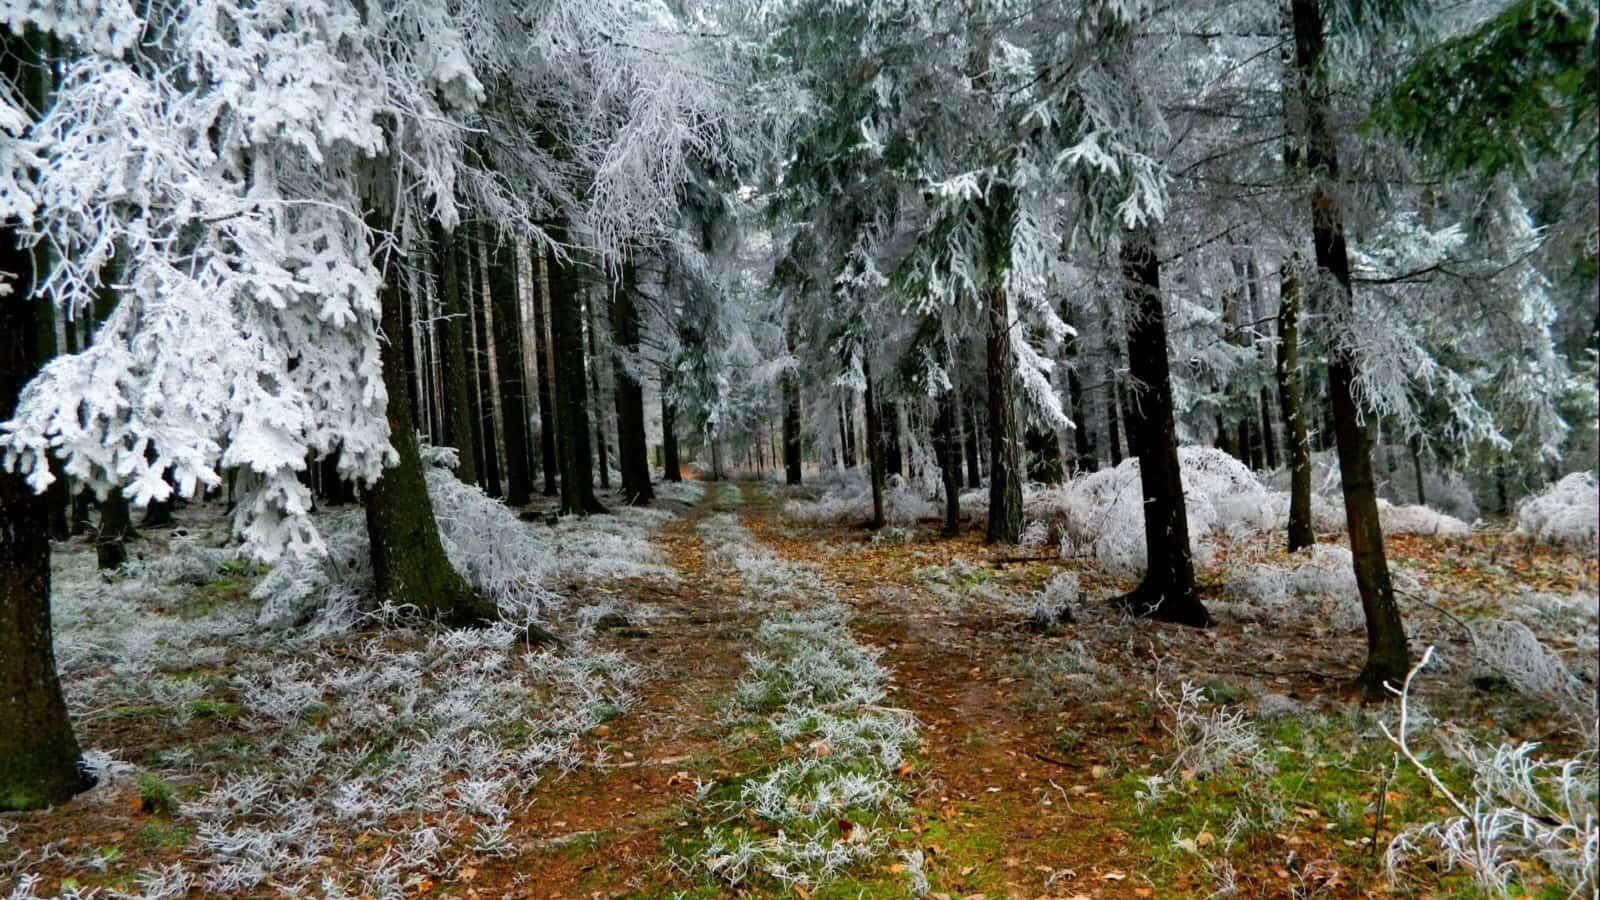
column 508, row 356
column 1291, row 405
column 671, row 469
column 791, row 427
column 484, row 352
column 893, row 457
column 1168, row 589
column 602, row 455
column 1044, row 456
column 1005, row 481
column 632, row 449
column 1084, row 456
column 39, row 756
column 458, row 425
column 112, row 534
column 1388, row 657
column 875, row 454
column 851, row 448
column 947, row 445
column 409, row 565
column 969, row 430
column 1113, row 426
column 541, row 340
column 572, row 389
column 1415, row 446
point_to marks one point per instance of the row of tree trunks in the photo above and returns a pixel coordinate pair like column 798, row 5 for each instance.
column 571, row 386
column 633, row 455
column 507, row 332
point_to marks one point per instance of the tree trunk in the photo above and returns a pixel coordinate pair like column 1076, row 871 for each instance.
column 458, row 424
column 409, row 565
column 632, row 449
column 39, row 757
column 1415, row 446
column 672, row 470
column 484, row 353
column 969, row 430
column 1084, row 456
column 875, row 462
column 1168, row 589
column 508, row 356
column 791, row 427
column 1388, row 658
column 893, row 458
column 602, row 455
column 1044, row 456
column 1291, row 405
column 572, row 389
column 541, row 371
column 1005, row 481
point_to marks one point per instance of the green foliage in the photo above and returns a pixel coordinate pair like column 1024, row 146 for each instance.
column 155, row 795
column 1518, row 89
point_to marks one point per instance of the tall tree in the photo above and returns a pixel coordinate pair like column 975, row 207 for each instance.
column 543, row 370
column 633, row 457
column 875, row 461
column 508, row 356
column 1388, row 658
column 39, row 756
column 1167, row 591
column 1005, row 475
column 671, row 468
column 409, row 565
column 572, row 387
column 484, row 355
column 459, row 428
column 791, row 427
column 1291, row 402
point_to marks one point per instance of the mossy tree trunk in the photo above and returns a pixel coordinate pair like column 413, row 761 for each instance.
column 1168, row 589
column 409, row 564
column 39, row 756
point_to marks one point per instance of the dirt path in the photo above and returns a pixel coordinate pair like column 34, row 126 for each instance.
column 599, row 831
column 1009, row 803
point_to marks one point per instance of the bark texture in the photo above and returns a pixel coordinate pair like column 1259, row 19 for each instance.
column 572, row 389
column 1388, row 657
column 1168, row 589
column 458, row 424
column 1005, row 477
column 508, row 355
column 1291, row 403
column 633, row 452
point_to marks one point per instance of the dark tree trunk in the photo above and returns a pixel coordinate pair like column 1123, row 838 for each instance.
column 1085, row 458
column 1291, row 405
column 1168, row 589
column 893, row 458
column 1044, row 456
column 572, row 389
column 409, row 565
column 1247, row 451
column 483, row 345
column 1388, row 657
column 1005, row 479
column 875, row 454
column 851, row 457
column 633, row 452
column 1415, row 446
column 791, row 427
column 157, row 514
column 458, row 424
column 508, row 356
column 39, row 757
column 969, row 430
column 1113, row 425
column 542, row 357
column 602, row 455
column 672, row 470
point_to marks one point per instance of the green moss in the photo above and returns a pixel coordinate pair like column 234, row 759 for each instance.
column 163, row 835
column 155, row 795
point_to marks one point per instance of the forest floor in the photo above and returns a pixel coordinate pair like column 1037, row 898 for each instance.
column 1064, row 762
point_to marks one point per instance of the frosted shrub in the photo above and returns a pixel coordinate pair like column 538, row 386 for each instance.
column 1419, row 520
column 1567, row 514
column 1054, row 604
column 1208, row 741
column 1522, row 812
column 1512, row 651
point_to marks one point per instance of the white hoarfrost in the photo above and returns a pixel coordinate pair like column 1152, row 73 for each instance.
column 1566, row 514
column 810, row 686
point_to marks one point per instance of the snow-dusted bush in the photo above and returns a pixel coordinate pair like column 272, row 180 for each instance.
column 1522, row 813
column 1055, row 603
column 847, row 497
column 1566, row 514
column 1446, row 491
column 1510, row 650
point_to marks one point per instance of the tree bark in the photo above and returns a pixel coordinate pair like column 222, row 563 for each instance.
column 602, row 454
column 541, row 341
column 893, row 457
column 1415, row 446
column 672, row 470
column 483, row 352
column 508, row 355
column 791, row 427
column 1291, row 405
column 1005, row 479
column 39, row 756
column 572, row 389
column 875, row 461
column 633, row 456
column 969, row 431
column 409, row 565
column 1388, row 657
column 1084, row 456
column 458, row 424
column 1168, row 589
